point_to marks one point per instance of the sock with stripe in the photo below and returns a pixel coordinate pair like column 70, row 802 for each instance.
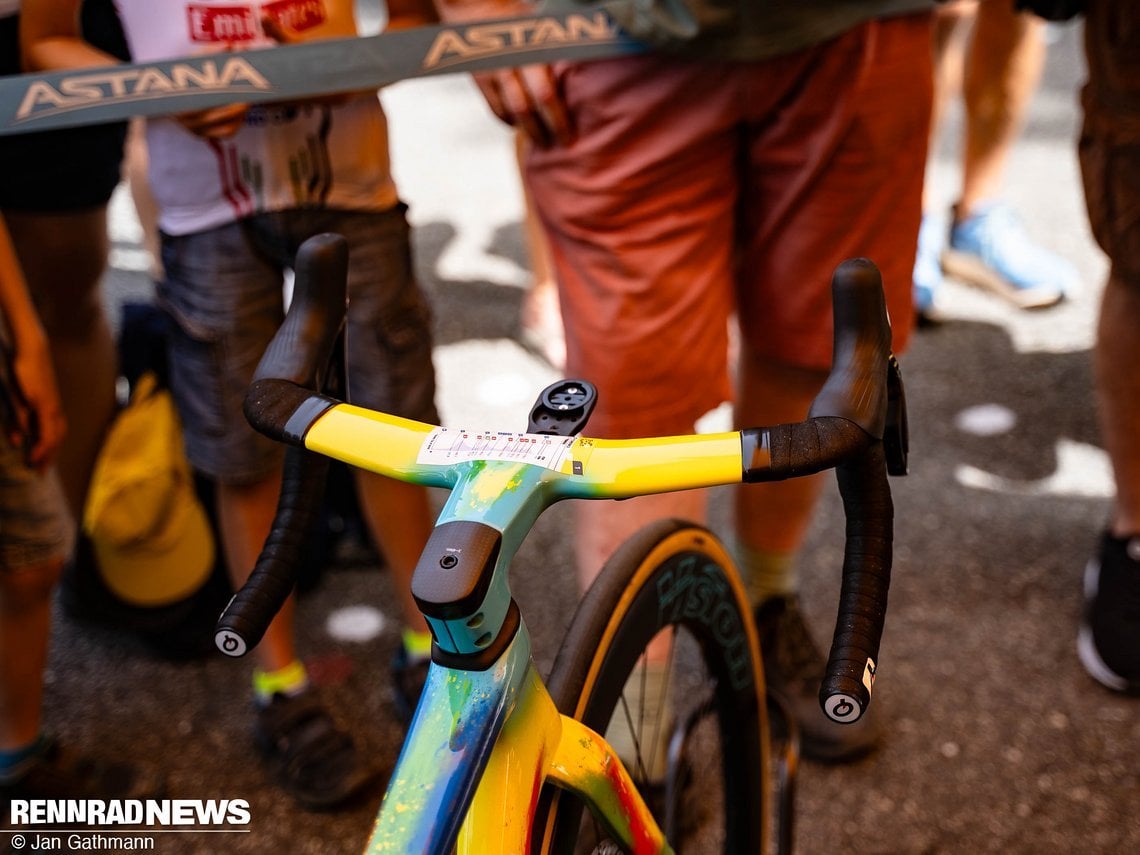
column 291, row 681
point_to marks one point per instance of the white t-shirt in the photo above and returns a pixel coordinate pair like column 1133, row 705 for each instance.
column 283, row 157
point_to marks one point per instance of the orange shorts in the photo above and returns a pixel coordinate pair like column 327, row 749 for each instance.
column 698, row 189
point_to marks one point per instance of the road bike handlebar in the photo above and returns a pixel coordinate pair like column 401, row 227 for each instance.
column 844, row 430
column 304, row 354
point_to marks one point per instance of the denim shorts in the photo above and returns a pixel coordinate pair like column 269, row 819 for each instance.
column 35, row 525
column 224, row 289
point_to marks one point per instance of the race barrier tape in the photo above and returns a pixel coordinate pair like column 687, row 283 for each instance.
column 37, row 102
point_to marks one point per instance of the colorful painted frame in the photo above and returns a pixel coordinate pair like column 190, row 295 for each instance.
column 483, row 742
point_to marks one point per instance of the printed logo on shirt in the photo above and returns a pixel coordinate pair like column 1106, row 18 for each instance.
column 296, row 15
column 211, row 23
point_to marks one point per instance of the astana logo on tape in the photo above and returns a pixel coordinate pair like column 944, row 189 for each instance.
column 454, row 47
column 232, row 75
column 32, row 102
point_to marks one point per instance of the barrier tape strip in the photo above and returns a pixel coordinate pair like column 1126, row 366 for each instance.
column 36, row 102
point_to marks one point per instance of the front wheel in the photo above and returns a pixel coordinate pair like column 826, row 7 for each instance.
column 661, row 657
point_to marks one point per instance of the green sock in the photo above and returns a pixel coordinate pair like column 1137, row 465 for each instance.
column 766, row 574
column 290, row 680
column 416, row 644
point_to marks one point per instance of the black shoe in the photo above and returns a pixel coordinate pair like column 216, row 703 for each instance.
column 1108, row 642
column 62, row 774
column 312, row 759
column 793, row 670
column 409, row 674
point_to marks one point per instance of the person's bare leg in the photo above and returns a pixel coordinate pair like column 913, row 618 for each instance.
column 399, row 516
column 1117, row 353
column 951, row 29
column 246, row 514
column 63, row 257
column 541, row 312
column 600, row 527
column 146, row 208
column 1108, row 640
column 951, row 32
column 25, row 627
column 774, row 518
column 1002, row 71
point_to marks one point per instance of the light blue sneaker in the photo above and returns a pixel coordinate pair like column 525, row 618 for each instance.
column 928, row 265
column 991, row 249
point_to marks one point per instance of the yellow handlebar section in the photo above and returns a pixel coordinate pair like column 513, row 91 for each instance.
column 381, row 443
column 620, row 468
column 586, row 468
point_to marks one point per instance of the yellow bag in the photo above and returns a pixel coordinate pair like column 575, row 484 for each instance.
column 152, row 540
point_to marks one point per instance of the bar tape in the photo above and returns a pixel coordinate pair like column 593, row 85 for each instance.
column 37, row 102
